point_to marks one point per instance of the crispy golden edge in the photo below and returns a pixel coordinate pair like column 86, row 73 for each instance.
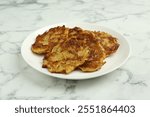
column 109, row 43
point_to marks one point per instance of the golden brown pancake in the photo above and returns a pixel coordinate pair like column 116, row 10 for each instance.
column 96, row 58
column 67, row 56
column 49, row 39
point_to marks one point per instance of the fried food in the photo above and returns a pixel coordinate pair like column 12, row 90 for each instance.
column 65, row 57
column 66, row 49
column 108, row 42
column 97, row 55
column 95, row 60
column 49, row 39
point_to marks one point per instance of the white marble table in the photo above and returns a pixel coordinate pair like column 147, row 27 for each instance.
column 18, row 18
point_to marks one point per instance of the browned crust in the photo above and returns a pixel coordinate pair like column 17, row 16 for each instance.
column 109, row 43
column 49, row 39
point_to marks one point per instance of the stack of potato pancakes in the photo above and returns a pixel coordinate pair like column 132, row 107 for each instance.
column 66, row 49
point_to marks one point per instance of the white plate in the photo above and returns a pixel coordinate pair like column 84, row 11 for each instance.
column 113, row 62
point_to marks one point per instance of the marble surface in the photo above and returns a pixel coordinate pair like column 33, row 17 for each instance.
column 18, row 18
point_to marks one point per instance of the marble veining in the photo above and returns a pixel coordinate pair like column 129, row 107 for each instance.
column 19, row 18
